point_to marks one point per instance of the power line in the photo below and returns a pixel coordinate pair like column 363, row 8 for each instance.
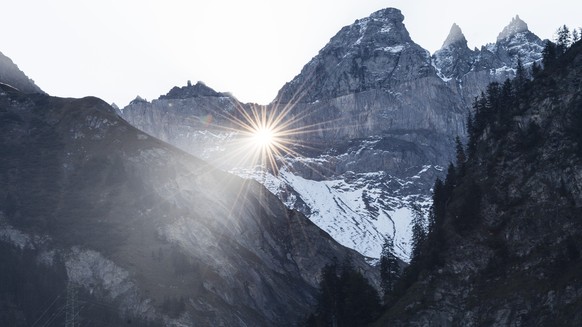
column 47, row 310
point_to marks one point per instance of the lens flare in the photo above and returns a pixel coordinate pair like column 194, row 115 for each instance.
column 269, row 137
column 264, row 137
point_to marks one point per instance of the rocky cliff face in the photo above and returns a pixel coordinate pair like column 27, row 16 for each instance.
column 194, row 118
column 371, row 103
column 146, row 233
column 370, row 79
column 10, row 74
column 515, row 259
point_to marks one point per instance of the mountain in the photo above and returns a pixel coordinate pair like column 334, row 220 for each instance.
column 100, row 217
column 10, row 74
column 505, row 247
column 468, row 71
column 372, row 79
column 375, row 117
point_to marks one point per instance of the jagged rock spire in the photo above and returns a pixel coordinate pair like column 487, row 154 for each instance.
column 455, row 36
column 515, row 26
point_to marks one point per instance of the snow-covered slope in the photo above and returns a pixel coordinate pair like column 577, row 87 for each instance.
column 358, row 210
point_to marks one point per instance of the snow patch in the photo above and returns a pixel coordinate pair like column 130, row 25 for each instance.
column 363, row 26
column 439, row 73
column 504, row 71
column 394, row 49
column 385, row 29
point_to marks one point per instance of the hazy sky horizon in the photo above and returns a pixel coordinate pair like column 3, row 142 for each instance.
column 117, row 50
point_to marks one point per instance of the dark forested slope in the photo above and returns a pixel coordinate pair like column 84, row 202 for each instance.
column 506, row 224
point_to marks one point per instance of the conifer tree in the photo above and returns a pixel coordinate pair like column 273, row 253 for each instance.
column 438, row 205
column 329, row 295
column 418, row 232
column 460, row 153
column 360, row 303
column 450, row 180
column 549, row 54
column 563, row 41
column 472, row 134
column 520, row 76
column 389, row 267
column 575, row 36
column 345, row 298
column 535, row 69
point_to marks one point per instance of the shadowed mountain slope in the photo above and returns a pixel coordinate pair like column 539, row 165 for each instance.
column 143, row 231
column 506, row 242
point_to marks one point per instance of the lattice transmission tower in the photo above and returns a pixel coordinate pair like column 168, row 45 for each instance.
column 72, row 306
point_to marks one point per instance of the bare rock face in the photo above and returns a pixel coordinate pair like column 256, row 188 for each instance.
column 371, row 79
column 145, row 232
column 11, row 75
column 194, row 118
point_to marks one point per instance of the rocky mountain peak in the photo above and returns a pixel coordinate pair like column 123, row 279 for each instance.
column 388, row 14
column 362, row 56
column 138, row 99
column 379, row 25
column 456, row 36
column 191, row 91
column 515, row 26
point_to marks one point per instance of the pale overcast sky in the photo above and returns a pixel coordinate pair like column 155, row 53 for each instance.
column 117, row 49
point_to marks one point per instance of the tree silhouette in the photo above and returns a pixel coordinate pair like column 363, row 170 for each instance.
column 418, row 232
column 563, row 40
column 345, row 298
column 389, row 267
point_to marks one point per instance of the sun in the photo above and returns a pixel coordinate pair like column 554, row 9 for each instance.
column 264, row 137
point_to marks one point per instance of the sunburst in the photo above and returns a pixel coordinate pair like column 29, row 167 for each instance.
column 267, row 135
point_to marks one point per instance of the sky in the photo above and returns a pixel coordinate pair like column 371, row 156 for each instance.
column 118, row 49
